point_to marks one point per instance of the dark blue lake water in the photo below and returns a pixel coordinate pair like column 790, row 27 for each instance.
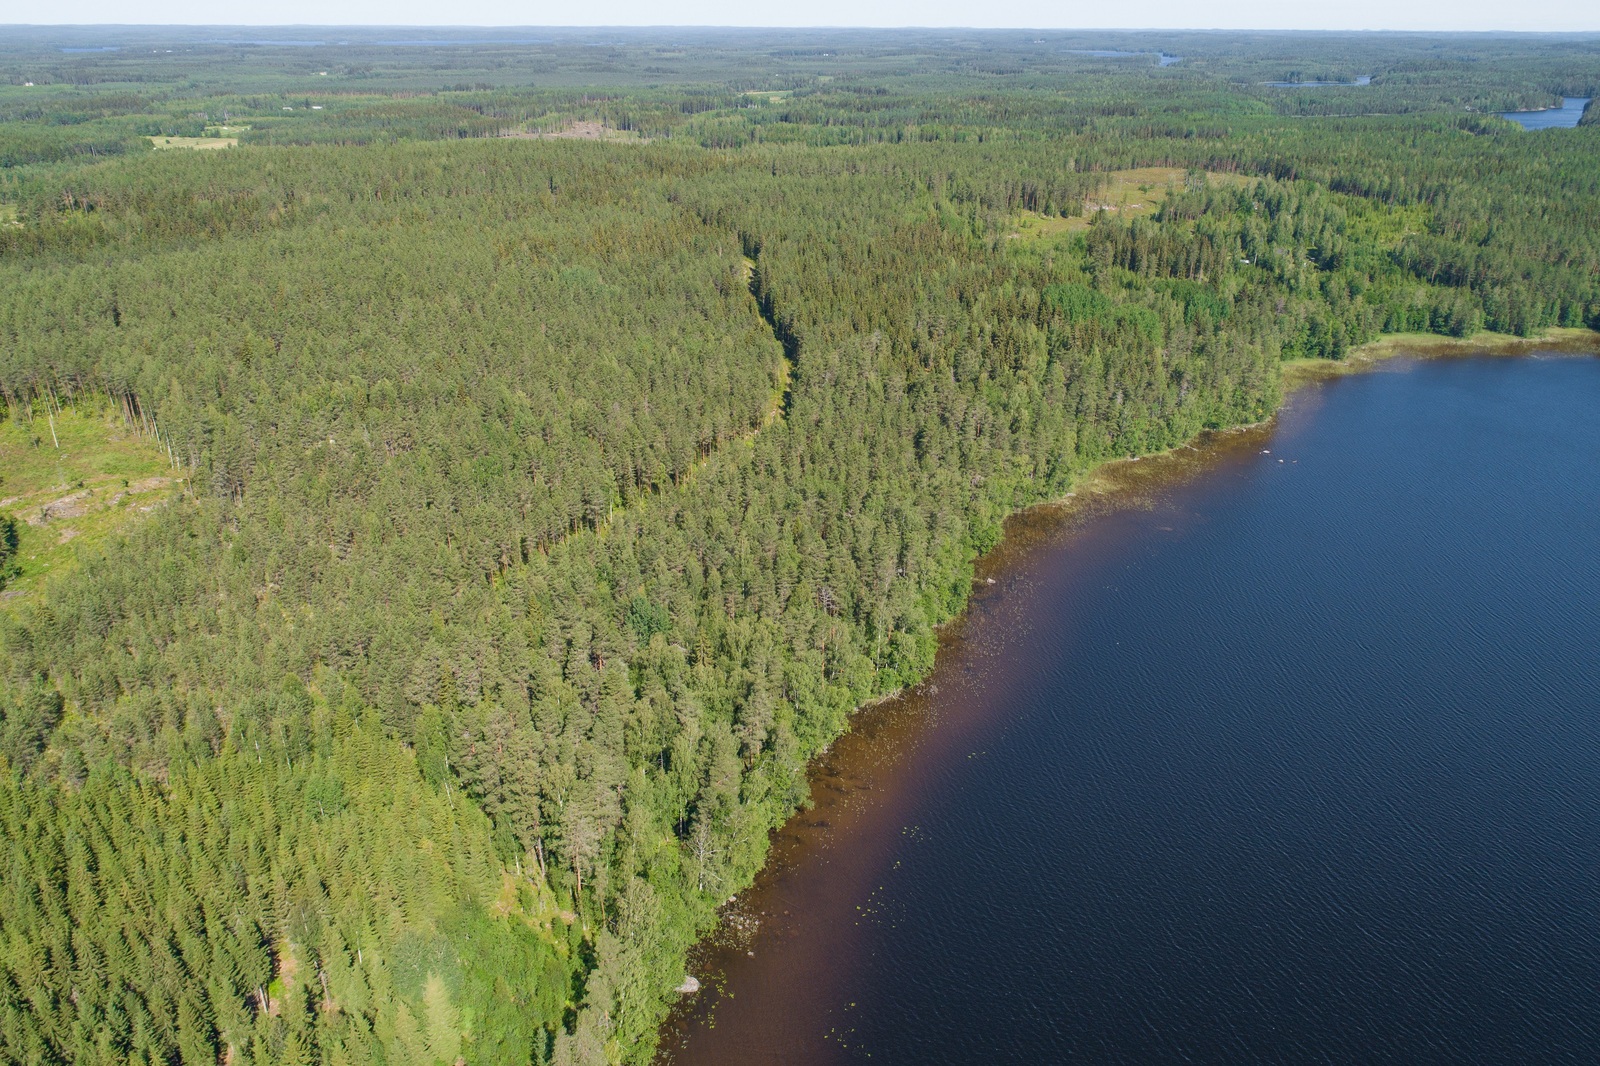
column 1288, row 752
column 1361, row 79
column 1162, row 58
column 1551, row 118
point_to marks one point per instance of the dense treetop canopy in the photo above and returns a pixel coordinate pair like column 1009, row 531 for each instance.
column 542, row 502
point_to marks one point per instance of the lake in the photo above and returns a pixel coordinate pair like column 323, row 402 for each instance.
column 1288, row 750
column 1162, row 58
column 1551, row 118
column 1361, row 79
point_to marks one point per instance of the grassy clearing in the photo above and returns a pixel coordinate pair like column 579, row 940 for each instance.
column 1030, row 224
column 1126, row 192
column 578, row 131
column 67, row 498
column 1384, row 225
column 8, row 215
column 199, row 143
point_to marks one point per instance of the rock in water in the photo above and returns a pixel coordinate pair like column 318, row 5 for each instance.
column 689, row 987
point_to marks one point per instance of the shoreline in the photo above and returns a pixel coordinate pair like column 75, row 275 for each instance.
column 1298, row 372
column 1099, row 485
column 1101, row 479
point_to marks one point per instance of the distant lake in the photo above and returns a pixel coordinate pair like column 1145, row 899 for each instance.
column 1364, row 79
column 1287, row 753
column 1551, row 118
column 1162, row 59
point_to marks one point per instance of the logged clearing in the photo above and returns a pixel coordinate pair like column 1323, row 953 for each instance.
column 75, row 487
column 1126, row 192
column 577, row 131
column 200, row 143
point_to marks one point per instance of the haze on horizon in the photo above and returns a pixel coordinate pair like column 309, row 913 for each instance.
column 1429, row 15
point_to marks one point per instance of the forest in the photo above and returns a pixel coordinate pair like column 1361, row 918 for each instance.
column 547, row 439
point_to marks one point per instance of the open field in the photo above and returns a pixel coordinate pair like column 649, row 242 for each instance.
column 201, row 143
column 74, row 487
column 576, row 131
column 1138, row 191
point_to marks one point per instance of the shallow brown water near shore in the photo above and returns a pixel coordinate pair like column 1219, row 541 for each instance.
column 783, row 938
column 1284, row 749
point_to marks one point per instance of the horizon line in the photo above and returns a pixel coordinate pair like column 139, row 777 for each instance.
column 324, row 26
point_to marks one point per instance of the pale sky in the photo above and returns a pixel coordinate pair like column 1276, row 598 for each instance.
column 1544, row 15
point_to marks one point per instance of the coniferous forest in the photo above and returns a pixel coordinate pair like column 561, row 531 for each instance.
column 557, row 434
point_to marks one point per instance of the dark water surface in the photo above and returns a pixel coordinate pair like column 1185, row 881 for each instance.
column 1551, row 118
column 1287, row 753
column 1162, row 58
column 1361, row 79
